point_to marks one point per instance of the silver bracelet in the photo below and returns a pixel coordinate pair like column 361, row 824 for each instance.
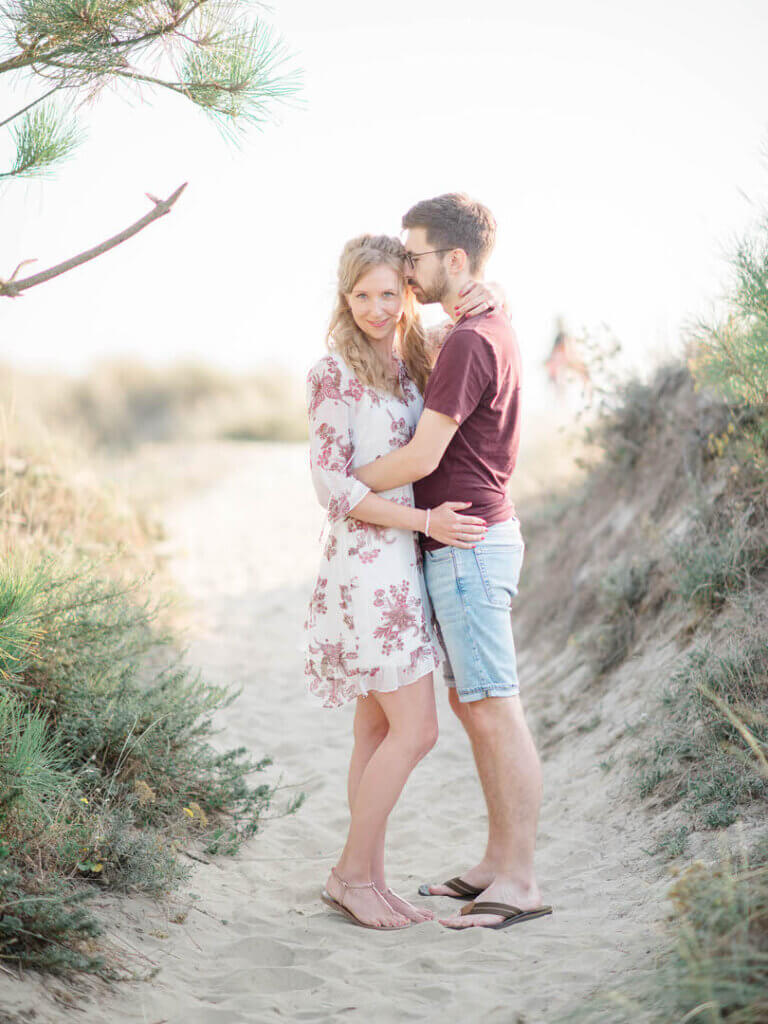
column 426, row 526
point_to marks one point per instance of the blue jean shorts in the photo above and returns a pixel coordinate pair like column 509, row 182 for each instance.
column 471, row 590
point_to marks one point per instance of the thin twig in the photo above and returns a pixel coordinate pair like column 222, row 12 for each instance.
column 162, row 206
column 193, row 856
column 30, row 105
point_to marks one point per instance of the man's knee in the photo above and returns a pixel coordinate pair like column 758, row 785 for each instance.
column 491, row 715
column 456, row 706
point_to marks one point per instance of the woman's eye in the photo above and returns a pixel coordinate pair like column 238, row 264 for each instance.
column 361, row 295
column 389, row 295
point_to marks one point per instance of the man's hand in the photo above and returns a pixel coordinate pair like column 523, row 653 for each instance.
column 448, row 527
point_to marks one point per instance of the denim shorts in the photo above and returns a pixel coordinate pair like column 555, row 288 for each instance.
column 471, row 590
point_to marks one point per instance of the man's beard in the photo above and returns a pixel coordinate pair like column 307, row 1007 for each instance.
column 435, row 291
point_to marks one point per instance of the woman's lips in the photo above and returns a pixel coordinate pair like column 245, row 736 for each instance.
column 380, row 323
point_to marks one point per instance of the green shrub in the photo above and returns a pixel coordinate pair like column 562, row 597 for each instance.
column 43, row 928
column 732, row 356
column 719, row 556
column 713, row 732
column 29, row 759
column 107, row 770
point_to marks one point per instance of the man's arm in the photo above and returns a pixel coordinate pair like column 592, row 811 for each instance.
column 417, row 459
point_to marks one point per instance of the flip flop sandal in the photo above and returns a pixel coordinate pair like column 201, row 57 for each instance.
column 334, row 904
column 461, row 890
column 511, row 915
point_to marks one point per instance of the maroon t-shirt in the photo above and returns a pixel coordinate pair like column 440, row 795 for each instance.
column 476, row 381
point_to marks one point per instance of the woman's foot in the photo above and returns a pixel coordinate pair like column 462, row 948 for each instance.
column 401, row 906
column 478, row 877
column 364, row 901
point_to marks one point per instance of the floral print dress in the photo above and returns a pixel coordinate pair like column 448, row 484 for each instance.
column 369, row 625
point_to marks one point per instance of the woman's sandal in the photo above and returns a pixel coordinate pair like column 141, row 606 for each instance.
column 339, row 905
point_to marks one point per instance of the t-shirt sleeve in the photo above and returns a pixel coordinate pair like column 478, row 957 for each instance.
column 461, row 375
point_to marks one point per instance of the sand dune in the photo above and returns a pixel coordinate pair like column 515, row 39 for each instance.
column 250, row 940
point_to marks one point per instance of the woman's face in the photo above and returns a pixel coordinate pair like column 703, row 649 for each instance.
column 376, row 302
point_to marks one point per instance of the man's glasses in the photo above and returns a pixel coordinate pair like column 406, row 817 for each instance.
column 411, row 257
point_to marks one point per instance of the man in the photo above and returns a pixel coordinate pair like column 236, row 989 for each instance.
column 464, row 447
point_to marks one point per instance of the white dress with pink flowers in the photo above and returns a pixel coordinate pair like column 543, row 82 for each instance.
column 369, row 625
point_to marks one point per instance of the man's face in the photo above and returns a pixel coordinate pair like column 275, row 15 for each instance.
column 428, row 278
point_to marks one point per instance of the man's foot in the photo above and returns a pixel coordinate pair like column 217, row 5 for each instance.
column 478, row 877
column 401, row 906
column 501, row 891
column 364, row 902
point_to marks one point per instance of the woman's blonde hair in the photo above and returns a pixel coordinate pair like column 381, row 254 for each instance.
column 359, row 256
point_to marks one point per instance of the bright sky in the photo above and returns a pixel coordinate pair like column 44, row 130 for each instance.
column 618, row 144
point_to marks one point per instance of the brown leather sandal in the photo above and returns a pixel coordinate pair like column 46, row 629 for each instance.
column 339, row 905
column 511, row 915
column 461, row 890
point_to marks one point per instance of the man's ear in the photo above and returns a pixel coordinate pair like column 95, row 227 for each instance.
column 458, row 261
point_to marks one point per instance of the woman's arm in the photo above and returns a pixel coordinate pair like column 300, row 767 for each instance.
column 383, row 512
column 445, row 523
column 480, row 297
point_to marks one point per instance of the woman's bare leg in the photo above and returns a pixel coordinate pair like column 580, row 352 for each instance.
column 370, row 728
column 411, row 733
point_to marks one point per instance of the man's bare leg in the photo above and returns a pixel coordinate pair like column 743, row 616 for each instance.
column 510, row 774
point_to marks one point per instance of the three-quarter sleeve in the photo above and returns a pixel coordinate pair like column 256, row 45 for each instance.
column 330, row 440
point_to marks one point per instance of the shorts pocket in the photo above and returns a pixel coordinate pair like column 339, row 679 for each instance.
column 438, row 555
column 499, row 566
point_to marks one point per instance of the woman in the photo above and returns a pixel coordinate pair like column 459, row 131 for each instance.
column 369, row 634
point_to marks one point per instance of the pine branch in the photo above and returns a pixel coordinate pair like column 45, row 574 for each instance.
column 13, row 288
column 42, row 139
column 52, row 39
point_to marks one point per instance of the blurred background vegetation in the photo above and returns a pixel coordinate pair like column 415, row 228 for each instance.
column 119, row 405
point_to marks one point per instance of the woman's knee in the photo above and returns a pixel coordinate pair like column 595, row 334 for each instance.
column 418, row 740
column 370, row 734
column 370, row 725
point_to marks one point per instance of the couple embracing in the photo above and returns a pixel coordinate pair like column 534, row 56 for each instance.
column 414, row 434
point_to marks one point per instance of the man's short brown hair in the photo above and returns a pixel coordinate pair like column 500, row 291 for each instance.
column 454, row 221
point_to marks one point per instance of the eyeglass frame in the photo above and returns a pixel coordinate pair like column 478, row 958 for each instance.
column 410, row 257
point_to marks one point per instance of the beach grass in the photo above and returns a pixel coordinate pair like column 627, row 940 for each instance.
column 110, row 771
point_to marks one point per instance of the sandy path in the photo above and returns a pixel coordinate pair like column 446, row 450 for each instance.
column 258, row 946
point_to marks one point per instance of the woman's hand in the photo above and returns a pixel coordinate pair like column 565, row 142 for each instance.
column 448, row 527
column 478, row 297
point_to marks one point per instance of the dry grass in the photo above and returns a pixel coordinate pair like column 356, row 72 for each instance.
column 121, row 404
